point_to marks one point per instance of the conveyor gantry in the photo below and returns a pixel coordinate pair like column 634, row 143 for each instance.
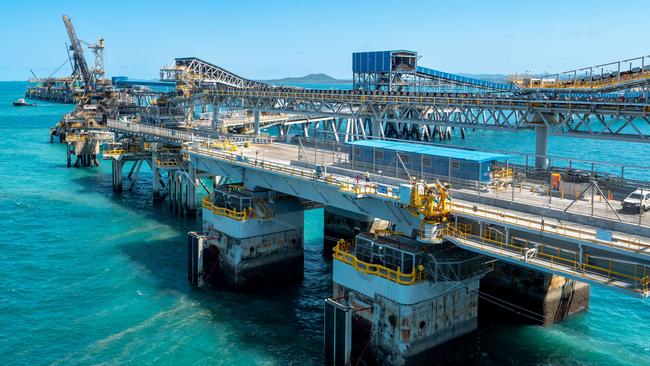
column 597, row 119
column 567, row 249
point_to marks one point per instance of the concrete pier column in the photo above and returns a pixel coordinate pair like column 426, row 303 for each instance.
column 68, row 155
column 547, row 298
column 178, row 184
column 216, row 115
column 376, row 128
column 117, row 175
column 419, row 321
column 182, row 183
column 195, row 258
column 191, row 194
column 157, row 184
column 256, row 241
column 256, row 122
column 156, row 178
column 171, row 183
column 541, row 147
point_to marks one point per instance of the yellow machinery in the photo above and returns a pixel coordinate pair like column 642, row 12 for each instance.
column 432, row 201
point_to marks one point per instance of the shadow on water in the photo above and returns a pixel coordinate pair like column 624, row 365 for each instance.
column 267, row 319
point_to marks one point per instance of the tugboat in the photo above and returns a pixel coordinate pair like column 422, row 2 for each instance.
column 21, row 103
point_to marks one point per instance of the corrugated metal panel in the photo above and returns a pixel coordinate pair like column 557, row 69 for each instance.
column 429, row 150
column 387, row 55
column 414, row 162
column 374, row 61
column 463, row 79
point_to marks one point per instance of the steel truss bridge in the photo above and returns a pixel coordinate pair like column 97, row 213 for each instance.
column 193, row 72
column 378, row 113
column 593, row 119
column 633, row 73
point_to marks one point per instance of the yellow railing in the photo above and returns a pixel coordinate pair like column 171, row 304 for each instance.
column 347, row 185
column 342, row 253
column 75, row 137
column 114, row 152
column 503, row 173
column 166, row 163
column 222, row 211
column 640, row 283
column 629, row 243
column 587, row 84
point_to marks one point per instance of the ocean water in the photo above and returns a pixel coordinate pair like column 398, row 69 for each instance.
column 92, row 277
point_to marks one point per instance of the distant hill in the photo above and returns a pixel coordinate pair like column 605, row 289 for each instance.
column 488, row 77
column 309, row 79
column 326, row 79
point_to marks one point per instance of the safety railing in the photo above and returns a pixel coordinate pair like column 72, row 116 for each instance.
column 345, row 184
column 76, row 137
column 113, row 151
column 153, row 130
column 570, row 232
column 220, row 145
column 342, row 253
column 222, row 211
column 178, row 135
column 166, row 163
column 563, row 260
column 590, row 83
column 505, row 173
column 455, row 100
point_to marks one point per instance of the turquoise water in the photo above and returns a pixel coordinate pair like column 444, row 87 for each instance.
column 608, row 155
column 91, row 277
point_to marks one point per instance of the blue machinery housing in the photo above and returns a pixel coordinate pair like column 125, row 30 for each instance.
column 397, row 69
column 125, row 82
column 428, row 159
column 384, row 61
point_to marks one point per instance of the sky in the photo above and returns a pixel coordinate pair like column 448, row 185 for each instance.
column 275, row 39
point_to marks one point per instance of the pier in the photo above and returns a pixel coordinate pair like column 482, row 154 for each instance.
column 562, row 250
column 418, row 232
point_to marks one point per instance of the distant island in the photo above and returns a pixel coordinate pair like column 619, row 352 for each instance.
column 499, row 78
column 309, row 79
column 326, row 79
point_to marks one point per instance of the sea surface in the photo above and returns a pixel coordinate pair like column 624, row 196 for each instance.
column 92, row 277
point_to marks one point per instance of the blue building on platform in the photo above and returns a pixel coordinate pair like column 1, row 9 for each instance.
column 426, row 159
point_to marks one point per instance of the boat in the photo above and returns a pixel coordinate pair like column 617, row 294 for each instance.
column 22, row 103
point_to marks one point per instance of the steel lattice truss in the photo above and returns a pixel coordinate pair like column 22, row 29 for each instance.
column 598, row 120
column 198, row 73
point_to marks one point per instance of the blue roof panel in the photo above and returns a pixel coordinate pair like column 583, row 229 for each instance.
column 431, row 150
column 463, row 79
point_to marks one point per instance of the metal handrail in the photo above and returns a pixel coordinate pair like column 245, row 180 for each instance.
column 579, row 268
column 223, row 211
column 342, row 254
column 510, row 102
column 577, row 233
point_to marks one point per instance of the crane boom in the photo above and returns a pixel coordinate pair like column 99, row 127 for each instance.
column 79, row 59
